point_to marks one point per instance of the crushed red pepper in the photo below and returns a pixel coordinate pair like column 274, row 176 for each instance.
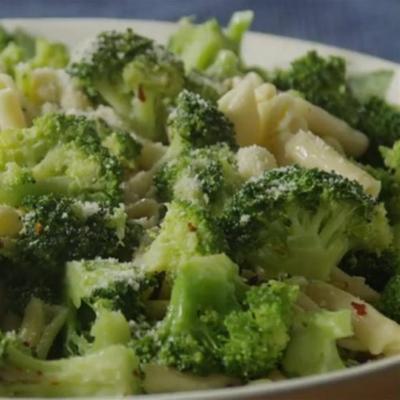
column 359, row 308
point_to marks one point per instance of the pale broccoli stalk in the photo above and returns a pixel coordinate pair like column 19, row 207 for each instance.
column 215, row 324
column 112, row 371
column 312, row 347
column 134, row 76
column 302, row 222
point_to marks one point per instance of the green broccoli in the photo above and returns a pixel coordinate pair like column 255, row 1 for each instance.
column 66, row 155
column 111, row 371
column 376, row 268
column 206, row 176
column 389, row 302
column 54, row 231
column 323, row 82
column 207, row 47
column 380, row 121
column 104, row 295
column 20, row 47
column 312, row 348
column 133, row 75
column 207, row 87
column 186, row 231
column 302, row 222
column 197, row 123
column 215, row 324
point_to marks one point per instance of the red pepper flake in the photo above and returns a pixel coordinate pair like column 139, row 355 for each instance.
column 38, row 228
column 191, row 227
column 141, row 94
column 359, row 308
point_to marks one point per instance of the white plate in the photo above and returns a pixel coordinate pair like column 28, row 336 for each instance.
column 375, row 380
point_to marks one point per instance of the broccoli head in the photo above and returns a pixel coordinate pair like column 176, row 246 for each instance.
column 66, row 155
column 206, row 176
column 207, row 47
column 187, row 230
column 302, row 222
column 108, row 372
column 133, row 75
column 322, row 81
column 197, row 123
column 389, row 302
column 214, row 323
column 104, row 295
column 376, row 268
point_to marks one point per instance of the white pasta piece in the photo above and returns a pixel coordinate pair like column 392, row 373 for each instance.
column 11, row 114
column 310, row 151
column 10, row 221
column 239, row 105
column 71, row 98
column 375, row 332
column 151, row 153
column 353, row 284
column 137, row 186
column 6, row 81
column 322, row 123
column 254, row 160
column 161, row 379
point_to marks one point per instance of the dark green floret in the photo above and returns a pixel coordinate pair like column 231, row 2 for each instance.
column 376, row 268
column 302, row 222
column 323, row 82
column 135, row 76
column 389, row 302
column 197, row 123
column 214, row 323
column 207, row 176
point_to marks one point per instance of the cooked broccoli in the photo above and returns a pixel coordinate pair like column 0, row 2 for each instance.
column 302, row 222
column 20, row 47
column 206, row 176
column 321, row 81
column 207, row 47
column 66, row 155
column 389, row 302
column 312, row 348
column 134, row 76
column 209, row 88
column 381, row 122
column 197, row 123
column 212, row 325
column 104, row 294
column 111, row 371
column 376, row 268
column 187, row 230
column 54, row 231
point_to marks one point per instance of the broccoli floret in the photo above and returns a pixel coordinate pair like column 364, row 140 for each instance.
column 104, row 295
column 312, row 348
column 197, row 123
column 322, row 81
column 204, row 45
column 54, row 231
column 207, row 87
column 206, row 176
column 187, row 230
column 302, row 222
column 111, row 371
column 389, row 302
column 134, row 76
column 64, row 155
column 20, row 47
column 212, row 325
column 381, row 122
column 376, row 268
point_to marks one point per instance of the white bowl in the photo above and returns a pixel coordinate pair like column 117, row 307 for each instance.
column 374, row 380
